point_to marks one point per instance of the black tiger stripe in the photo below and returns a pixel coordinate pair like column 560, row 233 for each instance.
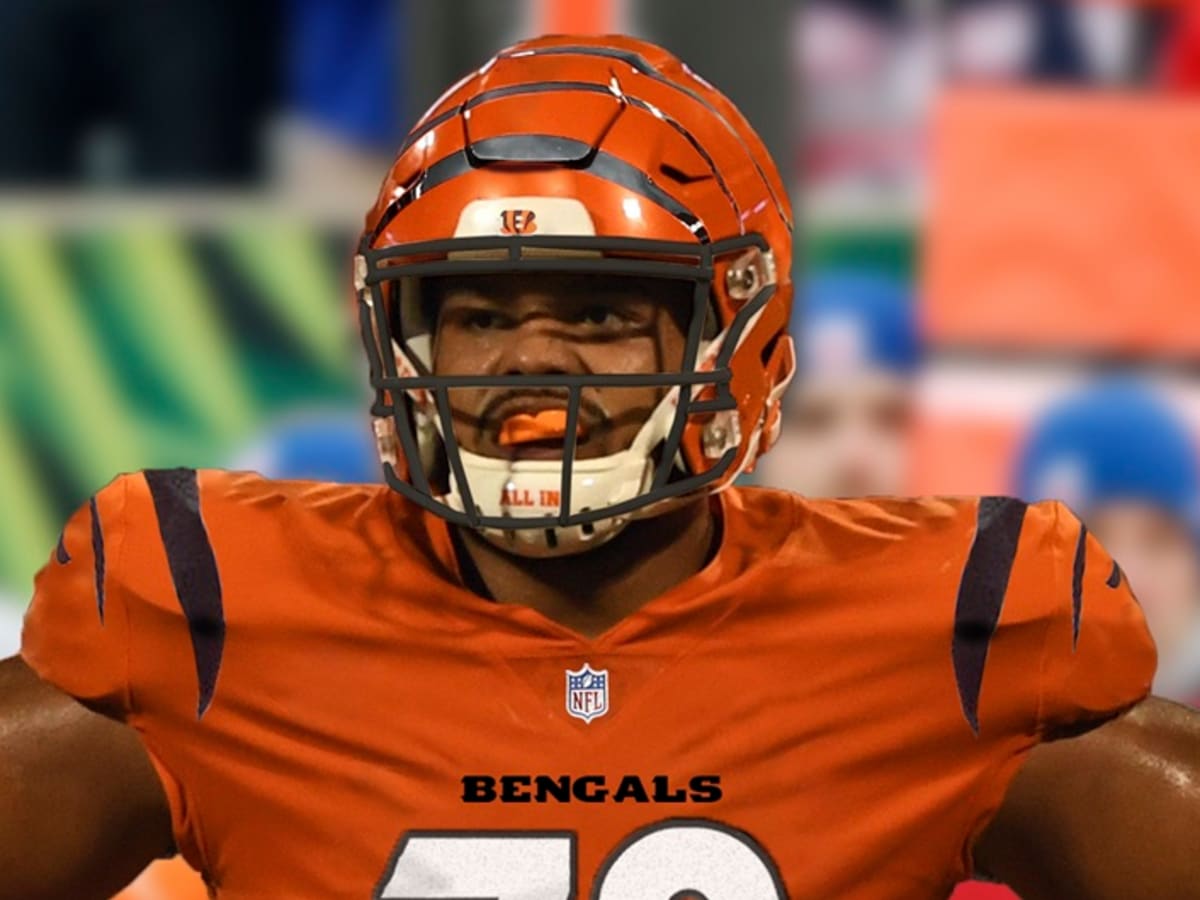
column 98, row 556
column 571, row 153
column 644, row 68
column 1114, row 577
column 60, row 552
column 981, row 593
column 516, row 90
column 1077, row 583
column 193, row 565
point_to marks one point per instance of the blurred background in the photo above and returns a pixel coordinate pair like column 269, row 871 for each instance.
column 1000, row 248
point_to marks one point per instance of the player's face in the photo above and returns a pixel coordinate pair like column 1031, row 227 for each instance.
column 555, row 324
column 844, row 437
column 1161, row 562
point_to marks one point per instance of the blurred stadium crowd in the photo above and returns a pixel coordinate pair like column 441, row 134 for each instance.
column 999, row 255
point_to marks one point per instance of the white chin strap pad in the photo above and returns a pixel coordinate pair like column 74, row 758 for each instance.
column 533, row 488
column 528, row 488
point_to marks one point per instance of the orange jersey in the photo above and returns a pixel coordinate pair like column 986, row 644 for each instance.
column 831, row 708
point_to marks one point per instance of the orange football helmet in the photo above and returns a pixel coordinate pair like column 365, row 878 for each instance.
column 584, row 155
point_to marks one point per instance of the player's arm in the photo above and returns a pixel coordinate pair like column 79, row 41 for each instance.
column 1112, row 814
column 81, row 808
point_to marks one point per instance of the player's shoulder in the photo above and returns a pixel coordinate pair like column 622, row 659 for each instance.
column 884, row 517
column 964, row 534
column 242, row 490
column 855, row 523
column 184, row 497
column 192, row 562
column 241, row 522
column 892, row 518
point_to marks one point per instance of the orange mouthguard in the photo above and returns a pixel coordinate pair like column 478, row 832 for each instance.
column 524, row 428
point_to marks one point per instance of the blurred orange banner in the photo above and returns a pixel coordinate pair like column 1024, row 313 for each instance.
column 963, row 455
column 1064, row 221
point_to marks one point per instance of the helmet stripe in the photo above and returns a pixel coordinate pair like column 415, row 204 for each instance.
column 587, row 87
column 644, row 68
column 526, row 148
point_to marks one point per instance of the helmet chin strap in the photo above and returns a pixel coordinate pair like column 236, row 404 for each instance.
column 531, row 488
column 527, row 488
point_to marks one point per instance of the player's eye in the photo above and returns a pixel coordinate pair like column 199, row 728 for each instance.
column 480, row 318
column 598, row 314
column 605, row 316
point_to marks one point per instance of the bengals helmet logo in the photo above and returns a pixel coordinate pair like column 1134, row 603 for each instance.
column 518, row 221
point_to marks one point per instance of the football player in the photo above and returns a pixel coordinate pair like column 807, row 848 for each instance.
column 558, row 655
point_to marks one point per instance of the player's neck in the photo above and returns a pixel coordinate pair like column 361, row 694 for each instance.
column 590, row 592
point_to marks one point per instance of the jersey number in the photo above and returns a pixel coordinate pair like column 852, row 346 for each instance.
column 676, row 858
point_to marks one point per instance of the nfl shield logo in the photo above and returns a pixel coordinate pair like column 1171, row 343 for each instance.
column 587, row 692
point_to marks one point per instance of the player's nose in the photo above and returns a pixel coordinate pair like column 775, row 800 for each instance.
column 538, row 347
